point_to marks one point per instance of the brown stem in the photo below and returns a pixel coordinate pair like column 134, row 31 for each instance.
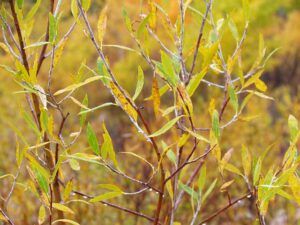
column 118, row 207
column 44, row 48
column 199, row 39
column 225, row 208
column 6, row 217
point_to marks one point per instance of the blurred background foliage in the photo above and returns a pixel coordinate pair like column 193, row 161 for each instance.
column 276, row 20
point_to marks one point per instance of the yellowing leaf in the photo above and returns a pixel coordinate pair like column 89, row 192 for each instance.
column 68, row 190
column 246, row 161
column 65, row 221
column 42, row 215
column 123, row 101
column 73, row 87
column 106, row 196
column 155, row 96
column 202, row 178
column 102, row 21
column 152, row 16
column 140, row 83
column 107, row 149
column 169, row 186
column 195, row 81
column 110, row 187
column 260, row 85
column 62, row 208
column 198, row 136
column 166, row 127
column 226, row 185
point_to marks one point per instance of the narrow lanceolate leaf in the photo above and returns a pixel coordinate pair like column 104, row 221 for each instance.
column 166, row 127
column 209, row 190
column 33, row 11
column 74, row 8
column 226, row 185
column 140, row 83
column 169, row 187
column 167, row 70
column 68, row 190
column 198, row 136
column 107, row 149
column 42, row 215
column 86, row 4
column 152, row 15
column 246, row 161
column 155, row 96
column 102, row 21
column 110, row 187
column 20, row 3
column 92, row 139
column 293, row 126
column 65, row 221
column 73, row 87
column 202, row 178
column 260, row 85
column 215, row 124
column 123, row 101
column 233, row 29
column 53, row 28
column 256, row 171
column 106, row 196
column 195, row 81
column 233, row 98
column 62, row 208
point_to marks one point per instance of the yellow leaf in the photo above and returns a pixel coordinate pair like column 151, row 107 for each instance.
column 156, row 96
column 185, row 99
column 246, row 160
column 59, row 52
column 226, row 185
column 169, row 186
column 123, row 101
column 42, row 215
column 102, row 21
column 260, row 85
column 66, row 221
column 62, row 208
column 152, row 16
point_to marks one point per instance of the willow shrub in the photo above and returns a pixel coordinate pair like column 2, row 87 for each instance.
column 184, row 159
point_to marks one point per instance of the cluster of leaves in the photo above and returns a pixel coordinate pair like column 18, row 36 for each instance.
column 174, row 151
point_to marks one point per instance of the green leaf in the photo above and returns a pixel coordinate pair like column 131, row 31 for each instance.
column 140, row 83
column 127, row 20
column 233, row 29
column 293, row 126
column 215, row 124
column 233, row 98
column 195, row 81
column 256, row 172
column 53, row 28
column 86, row 4
column 106, row 196
column 168, row 70
column 33, row 11
column 20, row 3
column 202, row 178
column 103, row 72
column 209, row 190
column 41, row 179
column 166, row 127
column 188, row 190
column 92, row 139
